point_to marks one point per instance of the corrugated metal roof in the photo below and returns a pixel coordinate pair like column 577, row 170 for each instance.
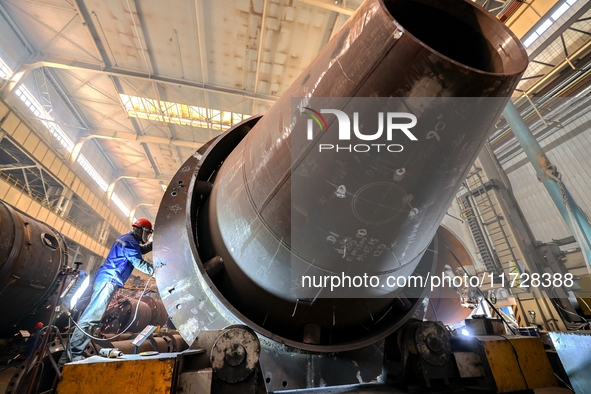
column 206, row 53
column 52, row 29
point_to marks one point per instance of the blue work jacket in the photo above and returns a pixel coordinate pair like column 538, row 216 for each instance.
column 124, row 255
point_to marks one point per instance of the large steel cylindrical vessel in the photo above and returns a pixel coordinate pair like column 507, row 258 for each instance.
column 400, row 48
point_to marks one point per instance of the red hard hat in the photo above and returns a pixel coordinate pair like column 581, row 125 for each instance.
column 142, row 223
column 38, row 325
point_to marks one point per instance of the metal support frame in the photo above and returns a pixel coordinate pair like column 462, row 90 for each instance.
column 573, row 215
column 56, row 33
column 259, row 54
column 175, row 153
column 566, row 25
column 27, row 182
column 138, row 132
column 202, row 62
column 488, row 5
column 134, row 209
column 15, row 81
column 108, row 134
column 65, row 97
column 329, row 6
column 117, row 86
column 41, row 82
column 44, row 188
column 54, row 61
column 133, row 175
column 64, row 204
column 569, row 58
column 16, row 29
column 76, row 253
column 16, row 166
column 146, row 139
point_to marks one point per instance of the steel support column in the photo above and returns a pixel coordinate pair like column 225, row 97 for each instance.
column 102, row 231
column 64, row 204
column 548, row 175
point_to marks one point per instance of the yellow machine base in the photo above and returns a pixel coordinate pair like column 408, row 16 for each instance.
column 517, row 363
column 130, row 374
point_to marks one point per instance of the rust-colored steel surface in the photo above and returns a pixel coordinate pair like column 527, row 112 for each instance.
column 31, row 256
column 233, row 199
column 119, row 317
column 444, row 302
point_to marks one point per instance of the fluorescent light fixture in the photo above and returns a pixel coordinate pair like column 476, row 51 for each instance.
column 561, row 10
column 181, row 114
column 544, row 26
column 571, row 2
column 530, row 40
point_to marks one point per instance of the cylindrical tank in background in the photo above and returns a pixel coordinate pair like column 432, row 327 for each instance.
column 31, row 256
column 121, row 317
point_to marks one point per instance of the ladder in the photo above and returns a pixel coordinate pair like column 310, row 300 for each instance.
column 488, row 227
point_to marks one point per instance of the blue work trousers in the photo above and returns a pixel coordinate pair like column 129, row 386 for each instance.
column 102, row 294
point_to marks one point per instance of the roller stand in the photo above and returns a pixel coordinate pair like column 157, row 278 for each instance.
column 219, row 362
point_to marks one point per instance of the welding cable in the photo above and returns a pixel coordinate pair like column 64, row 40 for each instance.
column 522, row 374
column 128, row 326
column 571, row 326
column 584, row 302
column 563, row 382
column 516, row 359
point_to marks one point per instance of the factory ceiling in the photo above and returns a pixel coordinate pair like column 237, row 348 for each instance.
column 136, row 86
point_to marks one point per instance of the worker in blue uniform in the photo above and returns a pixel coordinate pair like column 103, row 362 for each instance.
column 125, row 255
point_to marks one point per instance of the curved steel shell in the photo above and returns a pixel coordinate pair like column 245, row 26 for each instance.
column 31, row 256
column 402, row 48
column 445, row 303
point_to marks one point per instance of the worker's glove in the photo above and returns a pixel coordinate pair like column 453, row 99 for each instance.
column 150, row 269
column 144, row 265
column 159, row 264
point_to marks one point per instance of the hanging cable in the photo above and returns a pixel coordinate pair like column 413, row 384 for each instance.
column 582, row 299
column 128, row 326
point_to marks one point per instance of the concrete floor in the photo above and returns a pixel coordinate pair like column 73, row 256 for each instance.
column 6, row 375
column 377, row 388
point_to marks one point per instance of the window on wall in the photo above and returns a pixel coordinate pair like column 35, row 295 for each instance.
column 5, row 71
column 547, row 23
column 120, row 204
column 37, row 109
